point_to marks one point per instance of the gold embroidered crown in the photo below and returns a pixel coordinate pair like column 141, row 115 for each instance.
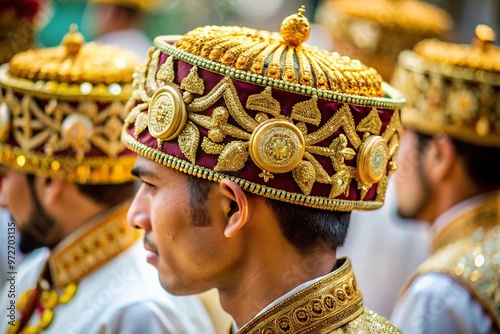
column 141, row 5
column 62, row 109
column 376, row 31
column 453, row 88
column 282, row 119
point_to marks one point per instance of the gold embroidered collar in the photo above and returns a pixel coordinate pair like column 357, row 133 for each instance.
column 484, row 214
column 103, row 238
column 333, row 301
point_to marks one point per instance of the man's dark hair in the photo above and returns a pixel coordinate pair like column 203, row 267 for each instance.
column 481, row 162
column 305, row 228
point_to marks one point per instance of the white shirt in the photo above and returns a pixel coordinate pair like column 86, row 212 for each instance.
column 124, row 296
column 435, row 303
column 386, row 250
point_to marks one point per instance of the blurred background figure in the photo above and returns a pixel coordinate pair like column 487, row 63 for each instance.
column 120, row 22
column 376, row 31
column 67, row 184
column 450, row 151
column 19, row 20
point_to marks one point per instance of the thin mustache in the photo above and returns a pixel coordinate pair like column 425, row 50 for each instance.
column 149, row 245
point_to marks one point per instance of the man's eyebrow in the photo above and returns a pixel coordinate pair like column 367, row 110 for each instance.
column 139, row 172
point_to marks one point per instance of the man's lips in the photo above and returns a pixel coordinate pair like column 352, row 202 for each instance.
column 148, row 245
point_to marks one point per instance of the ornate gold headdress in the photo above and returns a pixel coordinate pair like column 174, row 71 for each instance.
column 376, row 31
column 453, row 89
column 284, row 120
column 62, row 109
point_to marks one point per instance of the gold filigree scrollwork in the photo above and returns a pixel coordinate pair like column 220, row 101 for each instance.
column 225, row 88
column 307, row 111
column 151, row 85
column 342, row 118
column 193, row 83
column 264, row 102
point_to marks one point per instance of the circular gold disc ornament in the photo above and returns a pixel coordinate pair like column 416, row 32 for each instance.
column 167, row 113
column 277, row 146
column 372, row 161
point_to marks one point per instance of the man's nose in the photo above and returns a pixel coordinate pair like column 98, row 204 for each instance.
column 138, row 215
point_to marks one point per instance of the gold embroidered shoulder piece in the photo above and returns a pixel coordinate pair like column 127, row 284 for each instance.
column 468, row 250
column 332, row 305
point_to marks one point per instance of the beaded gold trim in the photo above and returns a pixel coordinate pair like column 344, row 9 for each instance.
column 65, row 91
column 394, row 101
column 273, row 193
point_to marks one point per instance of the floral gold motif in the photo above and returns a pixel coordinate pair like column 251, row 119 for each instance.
column 264, row 102
column 277, row 146
column 167, row 113
column 372, row 161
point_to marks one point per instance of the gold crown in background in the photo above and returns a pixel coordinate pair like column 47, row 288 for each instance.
column 140, row 5
column 62, row 108
column 453, row 88
column 376, row 31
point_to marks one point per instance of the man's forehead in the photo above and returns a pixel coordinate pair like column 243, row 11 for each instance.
column 145, row 166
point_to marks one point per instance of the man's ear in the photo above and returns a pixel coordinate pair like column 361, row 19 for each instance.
column 237, row 209
column 443, row 156
column 49, row 190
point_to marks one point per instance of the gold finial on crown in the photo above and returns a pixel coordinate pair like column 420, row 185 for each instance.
column 73, row 40
column 295, row 29
column 484, row 36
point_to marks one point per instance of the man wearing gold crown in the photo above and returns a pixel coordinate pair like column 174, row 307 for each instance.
column 253, row 149
column 66, row 181
column 450, row 156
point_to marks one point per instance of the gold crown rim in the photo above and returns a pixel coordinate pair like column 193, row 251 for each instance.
column 186, row 167
column 411, row 61
column 62, row 91
column 394, row 101
column 40, row 164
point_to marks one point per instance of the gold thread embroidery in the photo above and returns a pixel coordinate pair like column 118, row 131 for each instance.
column 304, row 175
column 193, row 83
column 307, row 111
column 189, row 140
column 265, row 102
column 370, row 123
column 140, row 124
column 210, row 147
column 233, row 157
column 342, row 118
column 151, row 86
column 166, row 73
